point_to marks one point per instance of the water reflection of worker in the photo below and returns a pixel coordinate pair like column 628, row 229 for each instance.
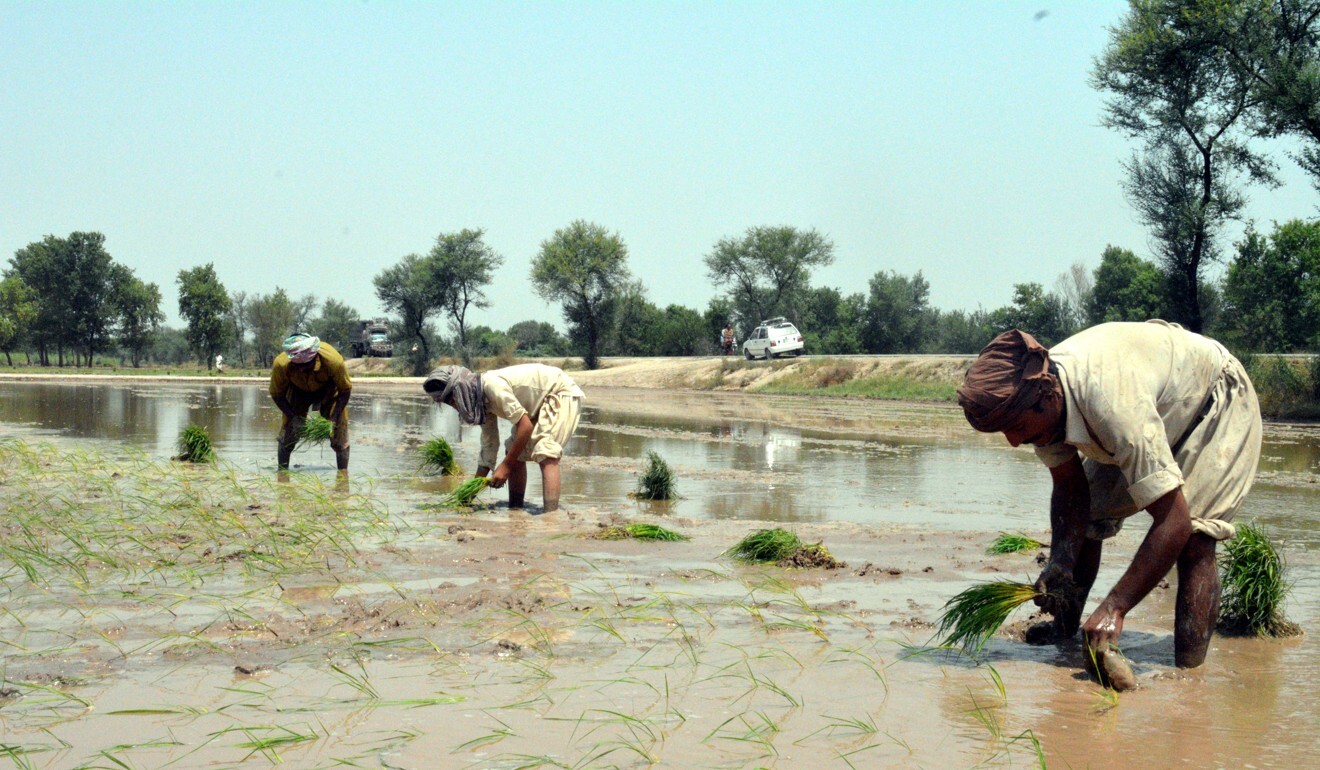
column 543, row 404
column 1127, row 416
column 310, row 373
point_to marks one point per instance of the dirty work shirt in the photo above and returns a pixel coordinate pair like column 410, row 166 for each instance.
column 1152, row 407
column 545, row 394
column 320, row 385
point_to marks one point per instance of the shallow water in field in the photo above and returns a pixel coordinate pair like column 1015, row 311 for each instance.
column 503, row 639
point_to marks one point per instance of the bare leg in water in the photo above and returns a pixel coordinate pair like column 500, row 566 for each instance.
column 1198, row 601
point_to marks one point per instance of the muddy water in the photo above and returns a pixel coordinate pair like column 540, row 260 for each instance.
column 513, row 642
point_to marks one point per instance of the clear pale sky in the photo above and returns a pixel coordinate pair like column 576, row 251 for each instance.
column 309, row 145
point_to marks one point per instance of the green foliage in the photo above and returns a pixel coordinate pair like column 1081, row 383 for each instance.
column 883, row 386
column 271, row 317
column 18, row 309
column 896, row 316
column 639, row 532
column 767, row 271
column 73, row 280
column 832, row 322
column 766, row 545
column 316, row 430
column 465, row 493
column 195, row 445
column 412, row 290
column 972, row 617
column 1254, row 581
column 657, row 481
column 538, row 338
column 1285, row 388
column 438, row 457
column 958, row 331
column 1273, row 288
column 584, row 268
column 1015, row 543
column 1044, row 315
column 1127, row 288
column 337, row 324
column 140, row 315
column 203, row 302
column 463, row 266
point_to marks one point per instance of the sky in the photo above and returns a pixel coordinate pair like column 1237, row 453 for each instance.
column 310, row 145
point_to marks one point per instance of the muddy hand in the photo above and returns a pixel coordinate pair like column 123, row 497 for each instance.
column 1104, row 626
column 1057, row 589
column 500, row 475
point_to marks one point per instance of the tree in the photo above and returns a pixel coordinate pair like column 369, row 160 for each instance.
column 203, row 302
column 958, row 331
column 538, row 338
column 236, row 320
column 1273, row 288
column 831, row 322
column 409, row 290
column 583, row 267
column 74, row 279
column 636, row 329
column 272, row 317
column 140, row 315
column 1041, row 314
column 464, row 266
column 682, row 332
column 895, row 317
column 337, row 324
column 1074, row 288
column 1127, row 288
column 18, row 309
column 303, row 308
column 768, row 270
column 38, row 266
column 1174, row 86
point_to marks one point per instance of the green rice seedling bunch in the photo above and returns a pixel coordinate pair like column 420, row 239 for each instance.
column 972, row 617
column 657, row 481
column 1015, row 543
column 316, row 430
column 465, row 493
column 438, row 457
column 195, row 445
column 1254, row 586
column 639, row 532
column 766, row 545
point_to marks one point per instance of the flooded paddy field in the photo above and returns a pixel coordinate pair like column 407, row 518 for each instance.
column 159, row 615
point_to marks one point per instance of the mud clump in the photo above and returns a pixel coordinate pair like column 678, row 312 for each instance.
column 1109, row 666
column 813, row 556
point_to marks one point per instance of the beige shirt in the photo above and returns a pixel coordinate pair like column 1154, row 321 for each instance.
column 515, row 391
column 1133, row 391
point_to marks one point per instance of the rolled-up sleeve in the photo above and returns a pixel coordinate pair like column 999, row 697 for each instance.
column 490, row 442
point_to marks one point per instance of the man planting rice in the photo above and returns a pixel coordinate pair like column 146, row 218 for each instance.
column 541, row 402
column 1127, row 416
column 311, row 373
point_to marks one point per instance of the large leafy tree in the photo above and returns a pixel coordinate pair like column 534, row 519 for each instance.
column 203, row 302
column 768, row 270
column 1273, row 288
column 337, row 324
column 896, row 314
column 1171, row 84
column 140, row 316
column 1126, row 288
column 464, row 266
column 1042, row 314
column 538, row 338
column 18, row 309
column 271, row 317
column 832, row 322
column 74, row 278
column 410, row 290
column 583, row 267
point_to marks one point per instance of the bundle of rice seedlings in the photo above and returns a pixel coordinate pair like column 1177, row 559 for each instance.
column 316, row 430
column 195, row 445
column 1017, row 543
column 766, row 545
column 638, row 532
column 438, row 457
column 972, row 617
column 465, row 493
column 1252, row 576
column 657, row 482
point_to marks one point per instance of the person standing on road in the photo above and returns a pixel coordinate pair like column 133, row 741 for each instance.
column 1127, row 416
column 541, row 402
column 728, row 339
column 310, row 373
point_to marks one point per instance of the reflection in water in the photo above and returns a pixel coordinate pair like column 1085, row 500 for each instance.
column 726, row 468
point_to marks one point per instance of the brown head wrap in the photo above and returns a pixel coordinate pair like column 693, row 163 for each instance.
column 1011, row 376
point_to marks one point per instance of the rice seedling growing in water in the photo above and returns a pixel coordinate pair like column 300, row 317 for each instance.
column 1252, row 574
column 195, row 445
column 970, row 618
column 657, row 481
column 638, row 532
column 1016, row 543
column 317, row 430
column 438, row 457
column 465, row 493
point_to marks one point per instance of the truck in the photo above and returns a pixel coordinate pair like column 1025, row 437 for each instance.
column 373, row 339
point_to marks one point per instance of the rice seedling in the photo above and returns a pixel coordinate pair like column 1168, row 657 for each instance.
column 465, row 493
column 438, row 457
column 1254, row 582
column 638, row 531
column 766, row 545
column 971, row 617
column 195, row 445
column 316, row 430
column 1014, row 543
column 657, row 481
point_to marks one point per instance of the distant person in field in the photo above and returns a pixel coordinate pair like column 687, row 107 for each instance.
column 728, row 339
column 311, row 373
column 1127, row 417
column 542, row 403
column 219, row 363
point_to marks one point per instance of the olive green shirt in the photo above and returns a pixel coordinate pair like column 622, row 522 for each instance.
column 328, row 370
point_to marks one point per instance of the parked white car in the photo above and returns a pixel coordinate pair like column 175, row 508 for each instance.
column 774, row 337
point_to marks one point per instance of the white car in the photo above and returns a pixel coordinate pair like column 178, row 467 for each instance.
column 774, row 337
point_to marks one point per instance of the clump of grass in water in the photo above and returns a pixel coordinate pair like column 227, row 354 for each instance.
column 465, row 493
column 972, row 617
column 657, row 482
column 779, row 546
column 195, row 445
column 1017, row 543
column 316, row 430
column 438, row 457
column 1252, row 574
column 639, row 532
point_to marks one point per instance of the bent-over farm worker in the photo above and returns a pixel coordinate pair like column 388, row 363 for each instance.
column 1127, row 417
column 541, row 402
column 311, row 373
